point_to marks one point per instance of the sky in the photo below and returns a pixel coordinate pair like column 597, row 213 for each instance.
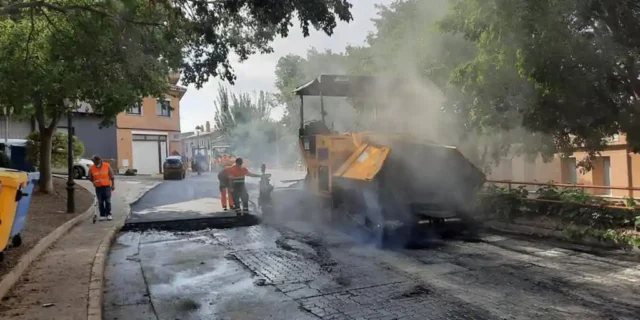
column 258, row 72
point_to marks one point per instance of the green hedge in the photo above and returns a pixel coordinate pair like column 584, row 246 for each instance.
column 579, row 212
column 5, row 162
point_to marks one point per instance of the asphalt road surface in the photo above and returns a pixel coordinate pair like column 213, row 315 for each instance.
column 298, row 270
column 194, row 197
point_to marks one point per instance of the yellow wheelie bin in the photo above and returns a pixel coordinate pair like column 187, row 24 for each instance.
column 13, row 182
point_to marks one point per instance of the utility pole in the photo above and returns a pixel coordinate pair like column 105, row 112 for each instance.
column 71, row 201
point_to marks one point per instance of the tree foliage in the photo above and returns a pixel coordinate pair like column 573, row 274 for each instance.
column 209, row 31
column 567, row 69
column 59, row 149
column 79, row 55
column 245, row 121
column 110, row 54
column 5, row 161
column 235, row 110
column 519, row 77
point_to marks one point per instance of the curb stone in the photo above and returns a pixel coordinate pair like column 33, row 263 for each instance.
column 555, row 234
column 11, row 278
column 96, row 284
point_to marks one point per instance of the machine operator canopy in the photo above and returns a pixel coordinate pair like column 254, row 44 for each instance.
column 347, row 86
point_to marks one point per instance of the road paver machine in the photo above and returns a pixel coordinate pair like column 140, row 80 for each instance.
column 383, row 179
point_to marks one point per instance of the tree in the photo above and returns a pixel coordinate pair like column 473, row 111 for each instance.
column 246, row 122
column 77, row 56
column 110, row 54
column 210, row 30
column 407, row 45
column 564, row 70
column 521, row 77
column 234, row 110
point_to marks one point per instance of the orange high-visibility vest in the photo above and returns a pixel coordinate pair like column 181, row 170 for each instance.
column 236, row 174
column 101, row 175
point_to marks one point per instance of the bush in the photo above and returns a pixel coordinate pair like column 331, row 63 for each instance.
column 5, row 162
column 575, row 209
column 58, row 150
column 502, row 203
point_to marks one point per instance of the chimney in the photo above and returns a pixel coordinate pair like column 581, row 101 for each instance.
column 208, row 126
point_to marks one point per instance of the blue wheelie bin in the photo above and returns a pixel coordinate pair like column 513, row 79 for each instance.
column 23, row 209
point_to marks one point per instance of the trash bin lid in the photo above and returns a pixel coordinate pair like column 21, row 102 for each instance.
column 12, row 178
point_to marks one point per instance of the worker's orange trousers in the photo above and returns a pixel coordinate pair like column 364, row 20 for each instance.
column 225, row 194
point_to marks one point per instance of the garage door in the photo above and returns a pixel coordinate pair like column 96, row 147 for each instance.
column 146, row 158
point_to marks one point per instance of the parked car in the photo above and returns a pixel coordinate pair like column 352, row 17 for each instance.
column 174, row 167
column 81, row 168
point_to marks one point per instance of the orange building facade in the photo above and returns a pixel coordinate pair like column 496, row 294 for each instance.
column 617, row 166
column 149, row 132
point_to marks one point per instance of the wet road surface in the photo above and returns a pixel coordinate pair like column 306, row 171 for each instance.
column 295, row 271
column 300, row 270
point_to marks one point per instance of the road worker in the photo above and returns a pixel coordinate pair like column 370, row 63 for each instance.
column 225, row 189
column 237, row 174
column 101, row 174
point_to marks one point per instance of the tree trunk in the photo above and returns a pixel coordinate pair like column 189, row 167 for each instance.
column 46, row 182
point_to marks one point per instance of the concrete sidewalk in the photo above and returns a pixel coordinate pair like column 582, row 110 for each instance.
column 56, row 286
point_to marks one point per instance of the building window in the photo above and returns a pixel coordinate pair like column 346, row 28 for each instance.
column 163, row 107
column 135, row 109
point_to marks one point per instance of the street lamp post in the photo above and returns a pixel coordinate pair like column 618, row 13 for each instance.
column 71, row 201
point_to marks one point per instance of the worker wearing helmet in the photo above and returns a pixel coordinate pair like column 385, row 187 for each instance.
column 237, row 174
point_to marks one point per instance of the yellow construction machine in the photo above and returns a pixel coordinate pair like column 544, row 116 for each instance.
column 380, row 178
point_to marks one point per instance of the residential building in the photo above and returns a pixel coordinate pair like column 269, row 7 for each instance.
column 148, row 132
column 141, row 139
column 199, row 141
column 17, row 129
column 616, row 166
column 97, row 139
